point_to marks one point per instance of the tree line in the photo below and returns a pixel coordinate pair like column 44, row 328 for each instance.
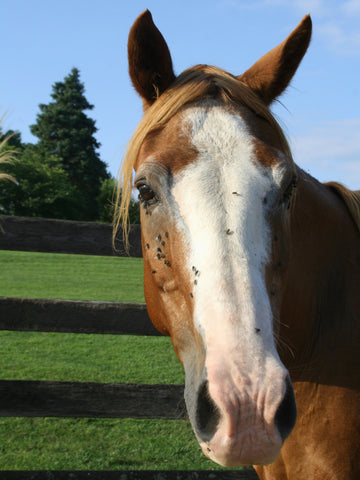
column 62, row 175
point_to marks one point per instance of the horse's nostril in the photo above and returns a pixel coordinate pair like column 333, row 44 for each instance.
column 207, row 414
column 285, row 417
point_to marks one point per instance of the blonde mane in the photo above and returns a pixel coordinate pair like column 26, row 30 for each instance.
column 191, row 86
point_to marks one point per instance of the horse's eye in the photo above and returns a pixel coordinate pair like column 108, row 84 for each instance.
column 145, row 192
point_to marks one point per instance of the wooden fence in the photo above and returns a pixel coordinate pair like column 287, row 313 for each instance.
column 20, row 398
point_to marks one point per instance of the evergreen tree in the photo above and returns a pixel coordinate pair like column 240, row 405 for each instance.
column 67, row 133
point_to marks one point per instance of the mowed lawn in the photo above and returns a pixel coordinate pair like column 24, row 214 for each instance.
column 72, row 277
column 91, row 444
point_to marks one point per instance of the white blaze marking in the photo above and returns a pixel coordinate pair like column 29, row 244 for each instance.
column 227, row 233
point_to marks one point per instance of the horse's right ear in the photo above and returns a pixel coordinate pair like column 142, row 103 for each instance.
column 150, row 64
column 270, row 75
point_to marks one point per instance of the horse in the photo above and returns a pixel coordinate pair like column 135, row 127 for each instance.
column 251, row 265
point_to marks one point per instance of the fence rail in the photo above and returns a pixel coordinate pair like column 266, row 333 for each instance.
column 81, row 399
column 246, row 474
column 72, row 316
column 27, row 398
column 65, row 236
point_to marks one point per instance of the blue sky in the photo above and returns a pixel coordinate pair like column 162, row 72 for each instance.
column 42, row 40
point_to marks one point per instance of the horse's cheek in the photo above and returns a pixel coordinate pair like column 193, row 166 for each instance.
column 154, row 306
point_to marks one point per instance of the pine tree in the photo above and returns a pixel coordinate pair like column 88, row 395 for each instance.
column 66, row 132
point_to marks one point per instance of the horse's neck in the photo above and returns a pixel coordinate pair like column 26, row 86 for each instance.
column 320, row 306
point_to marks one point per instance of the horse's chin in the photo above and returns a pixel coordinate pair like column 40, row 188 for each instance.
column 241, row 452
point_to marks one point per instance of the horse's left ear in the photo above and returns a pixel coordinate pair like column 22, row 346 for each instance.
column 150, row 64
column 270, row 75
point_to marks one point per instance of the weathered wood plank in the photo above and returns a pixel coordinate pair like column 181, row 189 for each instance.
column 71, row 316
column 64, row 236
column 25, row 398
column 245, row 474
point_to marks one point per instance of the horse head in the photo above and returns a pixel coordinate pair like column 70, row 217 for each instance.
column 216, row 182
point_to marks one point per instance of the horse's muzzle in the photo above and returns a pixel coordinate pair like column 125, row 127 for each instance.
column 234, row 430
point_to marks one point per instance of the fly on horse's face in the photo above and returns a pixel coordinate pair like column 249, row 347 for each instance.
column 214, row 180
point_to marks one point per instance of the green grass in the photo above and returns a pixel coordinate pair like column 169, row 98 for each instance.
column 88, row 358
column 85, row 444
column 98, row 444
column 72, row 277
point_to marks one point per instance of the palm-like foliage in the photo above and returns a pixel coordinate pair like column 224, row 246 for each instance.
column 7, row 155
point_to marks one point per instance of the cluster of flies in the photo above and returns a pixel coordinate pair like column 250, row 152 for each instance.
column 160, row 255
column 196, row 275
